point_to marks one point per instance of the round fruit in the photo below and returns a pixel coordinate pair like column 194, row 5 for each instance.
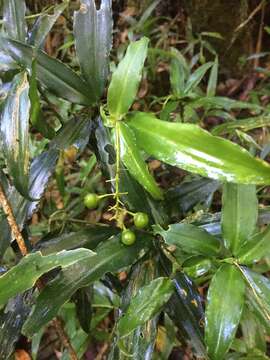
column 141, row 220
column 128, row 237
column 91, row 200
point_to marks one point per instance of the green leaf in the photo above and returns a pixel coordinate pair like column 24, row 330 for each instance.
column 256, row 248
column 24, row 275
column 111, row 257
column 260, row 290
column 239, row 214
column 93, row 41
column 145, row 304
column 190, row 239
column 13, row 16
column 44, row 24
column 54, row 75
column 126, row 78
column 179, row 72
column 36, row 116
column 194, row 149
column 132, row 159
column 15, row 132
column 196, row 77
column 212, row 82
column 225, row 300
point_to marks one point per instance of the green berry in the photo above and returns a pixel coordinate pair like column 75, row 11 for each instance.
column 128, row 237
column 141, row 220
column 91, row 200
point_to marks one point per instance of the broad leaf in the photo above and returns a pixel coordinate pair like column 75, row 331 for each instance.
column 179, row 72
column 194, row 149
column 126, row 78
column 146, row 304
column 225, row 300
column 111, row 256
column 14, row 131
column 15, row 281
column 53, row 74
column 11, row 322
column 260, row 290
column 44, row 24
column 93, row 40
column 13, row 16
column 132, row 159
column 239, row 214
column 256, row 248
column 191, row 239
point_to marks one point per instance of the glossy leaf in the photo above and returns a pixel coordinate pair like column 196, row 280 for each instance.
column 44, row 24
column 212, row 82
column 11, row 322
column 185, row 308
column 83, row 300
column 93, row 40
column 256, row 248
column 197, row 266
column 179, row 72
column 14, row 132
column 190, row 239
column 145, row 304
column 54, row 75
column 132, row 159
column 89, row 238
column 194, row 149
column 111, row 256
column 260, row 290
column 141, row 342
column 239, row 214
column 126, row 78
column 225, row 300
column 13, row 16
column 14, row 281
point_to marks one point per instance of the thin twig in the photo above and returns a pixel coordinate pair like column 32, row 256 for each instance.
column 23, row 249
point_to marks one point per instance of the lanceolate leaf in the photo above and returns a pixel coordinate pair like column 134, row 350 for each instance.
column 225, row 302
column 256, row 248
column 147, row 303
column 14, row 22
column 24, row 275
column 132, row 159
column 111, row 256
column 15, row 132
column 194, row 149
column 239, row 214
column 196, row 77
column 44, row 24
column 260, row 290
column 179, row 72
column 93, row 40
column 53, row 74
column 190, row 239
column 126, row 78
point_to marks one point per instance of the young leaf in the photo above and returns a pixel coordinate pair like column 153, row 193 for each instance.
column 126, row 78
column 111, row 256
column 132, row 159
column 146, row 304
column 194, row 149
column 14, row 21
column 256, row 248
column 239, row 214
column 195, row 78
column 190, row 239
column 24, row 275
column 225, row 300
column 14, row 132
column 93, row 40
column 53, row 74
column 44, row 24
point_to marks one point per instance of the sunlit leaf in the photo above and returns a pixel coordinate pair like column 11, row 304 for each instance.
column 13, row 16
